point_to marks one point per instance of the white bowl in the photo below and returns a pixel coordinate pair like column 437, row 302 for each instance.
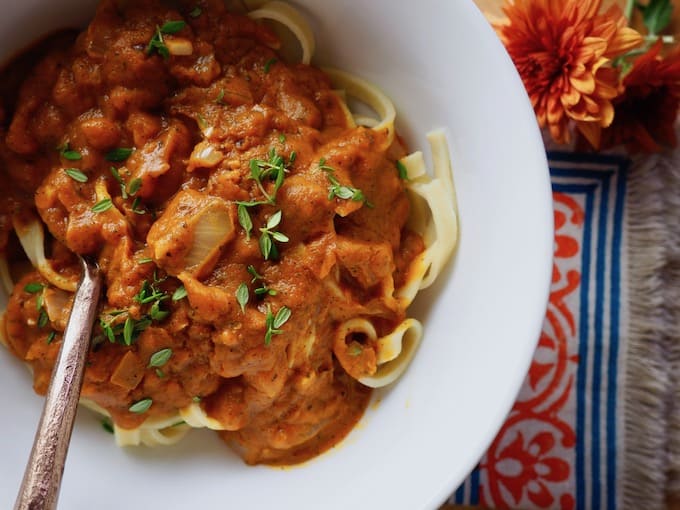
column 443, row 67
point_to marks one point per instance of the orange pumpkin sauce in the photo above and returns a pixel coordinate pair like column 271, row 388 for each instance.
column 283, row 398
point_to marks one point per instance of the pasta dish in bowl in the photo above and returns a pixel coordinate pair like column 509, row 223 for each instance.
column 260, row 242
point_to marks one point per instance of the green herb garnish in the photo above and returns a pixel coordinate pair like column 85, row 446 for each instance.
column 141, row 406
column 195, row 12
column 264, row 289
column 149, row 293
column 76, row 174
column 134, row 186
column 107, row 426
column 51, row 337
column 269, row 235
column 34, row 287
column 68, row 153
column 160, row 358
column 43, row 319
column 274, row 322
column 156, row 313
column 220, row 97
column 118, row 155
column 135, row 206
column 244, row 219
column 180, row 293
column 268, row 65
column 274, row 168
column 242, row 296
column 157, row 43
column 402, row 170
column 102, row 205
column 335, row 189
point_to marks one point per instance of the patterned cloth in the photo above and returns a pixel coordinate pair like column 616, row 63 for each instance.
column 561, row 445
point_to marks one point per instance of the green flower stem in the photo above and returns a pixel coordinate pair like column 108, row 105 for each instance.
column 630, row 5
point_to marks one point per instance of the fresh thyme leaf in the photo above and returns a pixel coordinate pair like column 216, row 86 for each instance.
column 51, row 336
column 157, row 44
column 43, row 319
column 102, row 205
column 172, row 27
column 335, row 189
column 656, row 15
column 244, row 219
column 116, row 175
column 266, row 245
column 135, row 206
column 160, row 373
column 196, row 399
column 69, row 154
column 128, row 330
column 195, row 12
column 268, row 235
column 141, row 406
column 119, row 180
column 282, row 139
column 107, row 426
column 134, row 186
column 274, row 322
column 33, row 287
column 280, row 237
column 39, row 302
column 402, row 170
column 220, row 97
column 268, row 65
column 156, row 313
column 145, row 260
column 148, row 293
column 274, row 220
column 108, row 331
column 141, row 325
column 76, row 174
column 253, row 272
column 281, row 317
column 118, row 155
column 274, row 168
column 242, row 296
column 160, row 358
column 202, row 123
column 180, row 293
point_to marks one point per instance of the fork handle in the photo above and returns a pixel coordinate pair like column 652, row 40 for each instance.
column 42, row 478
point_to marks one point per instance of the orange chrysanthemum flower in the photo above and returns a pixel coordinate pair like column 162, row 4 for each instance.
column 561, row 49
column 646, row 112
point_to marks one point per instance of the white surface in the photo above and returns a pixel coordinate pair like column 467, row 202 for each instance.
column 443, row 66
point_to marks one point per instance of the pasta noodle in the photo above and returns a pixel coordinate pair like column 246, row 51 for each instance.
column 257, row 279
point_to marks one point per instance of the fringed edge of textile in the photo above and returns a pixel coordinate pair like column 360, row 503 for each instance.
column 647, row 428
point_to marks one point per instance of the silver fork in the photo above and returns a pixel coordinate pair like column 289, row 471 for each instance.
column 42, row 478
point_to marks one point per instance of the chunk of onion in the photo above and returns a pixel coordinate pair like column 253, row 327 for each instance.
column 58, row 305
column 179, row 47
column 189, row 235
column 205, row 155
column 211, row 231
column 32, row 239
